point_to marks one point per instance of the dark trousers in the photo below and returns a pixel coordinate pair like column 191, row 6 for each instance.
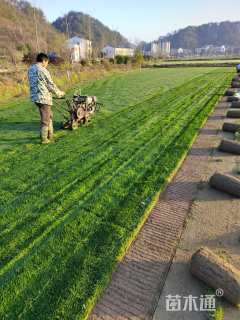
column 45, row 114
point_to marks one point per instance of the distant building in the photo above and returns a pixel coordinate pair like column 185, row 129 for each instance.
column 206, row 51
column 181, row 52
column 151, row 50
column 157, row 49
column 165, row 47
column 199, row 51
column 110, row 52
column 234, row 51
column 81, row 49
column 210, row 50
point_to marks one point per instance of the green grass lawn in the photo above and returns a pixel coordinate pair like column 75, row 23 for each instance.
column 19, row 121
column 69, row 209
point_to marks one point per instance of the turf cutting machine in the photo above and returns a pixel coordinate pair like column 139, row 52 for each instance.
column 80, row 109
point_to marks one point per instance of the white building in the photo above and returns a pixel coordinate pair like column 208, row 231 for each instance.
column 222, row 49
column 181, row 52
column 210, row 50
column 151, row 50
column 81, row 49
column 111, row 52
column 157, row 49
column 165, row 47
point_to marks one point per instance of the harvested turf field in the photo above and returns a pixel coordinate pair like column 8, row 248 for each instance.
column 69, row 209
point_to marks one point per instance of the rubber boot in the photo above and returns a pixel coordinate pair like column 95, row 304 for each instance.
column 50, row 130
column 44, row 135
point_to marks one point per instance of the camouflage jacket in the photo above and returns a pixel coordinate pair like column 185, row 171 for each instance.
column 41, row 85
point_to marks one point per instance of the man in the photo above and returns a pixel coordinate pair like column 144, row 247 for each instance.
column 41, row 89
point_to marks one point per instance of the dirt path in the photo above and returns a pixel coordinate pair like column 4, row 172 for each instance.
column 139, row 279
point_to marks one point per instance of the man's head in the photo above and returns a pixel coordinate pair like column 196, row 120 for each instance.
column 43, row 59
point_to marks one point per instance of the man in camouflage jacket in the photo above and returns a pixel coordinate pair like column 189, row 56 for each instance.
column 41, row 89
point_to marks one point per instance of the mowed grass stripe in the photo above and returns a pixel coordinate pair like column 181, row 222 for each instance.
column 28, row 225
column 20, row 114
column 84, row 157
column 24, row 230
column 79, row 158
column 76, row 285
column 74, row 270
column 30, row 155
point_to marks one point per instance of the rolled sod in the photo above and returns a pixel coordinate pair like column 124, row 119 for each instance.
column 236, row 78
column 234, row 114
column 225, row 183
column 230, row 92
column 217, row 273
column 235, row 104
column 229, row 146
column 235, row 84
column 232, row 99
column 231, row 127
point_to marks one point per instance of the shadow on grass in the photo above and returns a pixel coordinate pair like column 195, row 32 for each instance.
column 17, row 133
column 24, row 126
column 8, row 143
column 19, row 126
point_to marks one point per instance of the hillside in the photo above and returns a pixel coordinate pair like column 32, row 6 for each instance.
column 83, row 25
column 18, row 30
column 224, row 33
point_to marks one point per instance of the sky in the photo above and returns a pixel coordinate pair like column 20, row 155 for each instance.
column 148, row 19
